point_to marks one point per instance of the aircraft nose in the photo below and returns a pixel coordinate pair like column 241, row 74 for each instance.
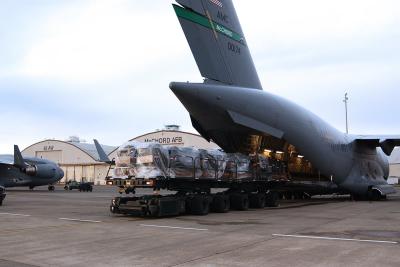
column 61, row 173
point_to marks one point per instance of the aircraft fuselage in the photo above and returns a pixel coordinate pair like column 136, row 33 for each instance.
column 237, row 111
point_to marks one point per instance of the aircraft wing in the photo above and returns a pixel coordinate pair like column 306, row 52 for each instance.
column 386, row 142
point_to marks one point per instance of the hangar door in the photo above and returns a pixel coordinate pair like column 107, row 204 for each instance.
column 54, row 155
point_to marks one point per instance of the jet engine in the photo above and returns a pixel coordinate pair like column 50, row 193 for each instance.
column 42, row 170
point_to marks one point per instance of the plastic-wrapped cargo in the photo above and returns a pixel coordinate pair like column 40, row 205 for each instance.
column 141, row 160
column 184, row 162
column 261, row 168
column 212, row 163
column 152, row 160
column 238, row 166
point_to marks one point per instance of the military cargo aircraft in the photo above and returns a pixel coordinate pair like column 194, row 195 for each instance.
column 17, row 171
column 231, row 108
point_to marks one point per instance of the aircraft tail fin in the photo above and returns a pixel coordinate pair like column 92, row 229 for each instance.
column 18, row 159
column 102, row 154
column 215, row 37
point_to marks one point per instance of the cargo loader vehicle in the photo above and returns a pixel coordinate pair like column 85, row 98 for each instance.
column 198, row 181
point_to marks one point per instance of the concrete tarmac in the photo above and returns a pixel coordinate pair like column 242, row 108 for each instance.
column 41, row 228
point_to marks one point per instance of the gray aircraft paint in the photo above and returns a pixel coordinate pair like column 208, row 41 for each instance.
column 13, row 171
column 226, row 108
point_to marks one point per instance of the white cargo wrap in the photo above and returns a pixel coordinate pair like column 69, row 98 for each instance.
column 152, row 160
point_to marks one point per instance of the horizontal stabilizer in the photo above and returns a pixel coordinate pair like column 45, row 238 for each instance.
column 215, row 37
column 18, row 159
column 102, row 154
column 386, row 142
column 255, row 124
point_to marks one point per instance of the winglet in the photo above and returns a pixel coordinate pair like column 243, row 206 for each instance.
column 18, row 159
column 102, row 155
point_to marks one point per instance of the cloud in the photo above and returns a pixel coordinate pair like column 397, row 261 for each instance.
column 102, row 68
column 101, row 40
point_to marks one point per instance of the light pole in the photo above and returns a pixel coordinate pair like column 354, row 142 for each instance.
column 346, row 99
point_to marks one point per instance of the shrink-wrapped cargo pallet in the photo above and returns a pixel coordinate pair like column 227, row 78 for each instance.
column 184, row 162
column 141, row 160
column 238, row 166
column 212, row 163
column 152, row 160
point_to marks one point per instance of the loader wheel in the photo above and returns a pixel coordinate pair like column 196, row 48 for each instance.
column 239, row 201
column 220, row 203
column 257, row 201
column 272, row 199
column 199, row 205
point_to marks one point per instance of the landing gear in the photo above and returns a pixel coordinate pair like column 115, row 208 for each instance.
column 31, row 187
column 51, row 187
column 374, row 195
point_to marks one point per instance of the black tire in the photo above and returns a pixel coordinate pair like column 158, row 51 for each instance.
column 114, row 209
column 65, row 187
column 272, row 199
column 239, row 201
column 1, row 202
column 257, row 201
column 220, row 203
column 288, row 195
column 298, row 195
column 374, row 195
column 199, row 205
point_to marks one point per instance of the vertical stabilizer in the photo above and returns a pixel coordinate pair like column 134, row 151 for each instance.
column 102, row 154
column 18, row 159
column 215, row 37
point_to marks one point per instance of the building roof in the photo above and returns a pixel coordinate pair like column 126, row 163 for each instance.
column 89, row 149
column 159, row 131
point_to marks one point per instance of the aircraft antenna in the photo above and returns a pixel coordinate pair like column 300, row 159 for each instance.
column 346, row 99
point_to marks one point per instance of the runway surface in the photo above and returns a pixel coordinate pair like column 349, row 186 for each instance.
column 71, row 228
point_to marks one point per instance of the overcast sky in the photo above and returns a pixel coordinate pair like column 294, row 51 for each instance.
column 101, row 69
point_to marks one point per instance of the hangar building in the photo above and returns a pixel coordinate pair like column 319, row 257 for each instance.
column 172, row 136
column 394, row 161
column 78, row 160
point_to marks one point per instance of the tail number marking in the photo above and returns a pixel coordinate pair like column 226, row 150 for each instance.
column 234, row 48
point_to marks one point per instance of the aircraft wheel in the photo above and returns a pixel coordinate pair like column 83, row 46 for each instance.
column 257, row 201
column 31, row 187
column 374, row 195
column 51, row 188
column 239, row 201
column 220, row 203
column 1, row 202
